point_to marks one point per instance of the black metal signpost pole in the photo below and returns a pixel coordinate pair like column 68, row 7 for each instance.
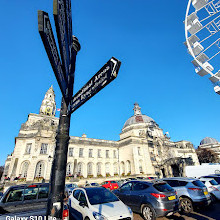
column 64, row 69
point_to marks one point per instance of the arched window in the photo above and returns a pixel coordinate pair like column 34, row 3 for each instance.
column 128, row 166
column 24, row 169
column 80, row 169
column 107, row 168
column 69, row 169
column 115, row 168
column 6, row 170
column 39, row 169
column 122, row 167
column 140, row 166
column 89, row 169
column 99, row 168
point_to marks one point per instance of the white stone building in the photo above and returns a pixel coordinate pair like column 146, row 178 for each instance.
column 210, row 144
column 143, row 149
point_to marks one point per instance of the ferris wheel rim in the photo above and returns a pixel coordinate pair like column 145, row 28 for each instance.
column 187, row 41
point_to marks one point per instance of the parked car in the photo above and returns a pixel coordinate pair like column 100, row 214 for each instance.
column 215, row 177
column 91, row 184
column 191, row 192
column 97, row 203
column 110, row 185
column 150, row 198
column 1, row 194
column 213, row 188
column 69, row 188
column 25, row 198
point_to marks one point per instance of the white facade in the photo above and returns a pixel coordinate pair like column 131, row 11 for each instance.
column 142, row 149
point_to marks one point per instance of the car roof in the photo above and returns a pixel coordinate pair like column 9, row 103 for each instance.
column 25, row 185
column 206, row 179
column 189, row 179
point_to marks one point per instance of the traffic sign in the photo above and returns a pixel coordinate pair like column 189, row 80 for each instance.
column 101, row 79
column 46, row 33
column 61, row 10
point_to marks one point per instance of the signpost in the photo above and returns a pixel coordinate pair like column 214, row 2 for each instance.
column 64, row 72
column 46, row 33
column 101, row 79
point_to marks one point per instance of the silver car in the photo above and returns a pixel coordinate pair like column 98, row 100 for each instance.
column 191, row 192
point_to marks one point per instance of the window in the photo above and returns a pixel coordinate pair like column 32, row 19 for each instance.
column 69, row 169
column 90, row 170
column 80, row 152
column 28, row 149
column 15, row 195
column 198, row 183
column 43, row 192
column 115, row 155
column 39, row 169
column 71, row 152
column 76, row 194
column 43, row 149
column 107, row 153
column 99, row 153
column 90, row 152
column 82, row 197
column 139, row 186
column 163, row 187
column 182, row 183
column 30, row 192
column 173, row 183
column 126, row 187
column 139, row 151
column 24, row 169
column 99, row 169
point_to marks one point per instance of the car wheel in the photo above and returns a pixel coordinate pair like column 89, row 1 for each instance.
column 86, row 218
column 213, row 198
column 186, row 205
column 148, row 212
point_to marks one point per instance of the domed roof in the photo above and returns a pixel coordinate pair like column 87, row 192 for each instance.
column 208, row 140
column 138, row 117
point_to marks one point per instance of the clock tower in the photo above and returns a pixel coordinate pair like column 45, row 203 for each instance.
column 48, row 105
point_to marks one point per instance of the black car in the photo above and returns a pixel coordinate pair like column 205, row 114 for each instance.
column 24, row 198
column 150, row 198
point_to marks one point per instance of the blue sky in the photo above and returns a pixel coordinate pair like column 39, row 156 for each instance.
column 147, row 36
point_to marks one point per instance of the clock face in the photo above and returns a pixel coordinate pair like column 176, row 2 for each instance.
column 48, row 109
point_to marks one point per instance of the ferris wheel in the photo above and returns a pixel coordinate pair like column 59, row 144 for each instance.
column 202, row 31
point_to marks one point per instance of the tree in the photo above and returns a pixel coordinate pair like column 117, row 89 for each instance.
column 207, row 156
column 1, row 171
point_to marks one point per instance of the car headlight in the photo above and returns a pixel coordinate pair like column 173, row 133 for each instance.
column 99, row 216
column 130, row 211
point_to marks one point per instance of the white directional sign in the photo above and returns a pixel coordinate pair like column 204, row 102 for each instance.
column 101, row 79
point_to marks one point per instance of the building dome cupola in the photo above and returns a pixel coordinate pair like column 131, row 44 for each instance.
column 138, row 117
column 208, row 140
column 48, row 105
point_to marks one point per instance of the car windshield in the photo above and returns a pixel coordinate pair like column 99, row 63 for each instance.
column 163, row 187
column 100, row 196
column 94, row 184
column 213, row 182
column 198, row 183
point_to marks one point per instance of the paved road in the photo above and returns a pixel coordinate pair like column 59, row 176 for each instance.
column 208, row 213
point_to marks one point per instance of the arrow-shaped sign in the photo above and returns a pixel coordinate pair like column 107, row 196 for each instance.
column 60, row 8
column 49, row 42
column 101, row 79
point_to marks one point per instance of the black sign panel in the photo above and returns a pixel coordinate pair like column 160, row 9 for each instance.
column 47, row 37
column 61, row 15
column 101, row 79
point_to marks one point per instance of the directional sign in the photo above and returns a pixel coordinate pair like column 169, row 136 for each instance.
column 101, row 79
column 47, row 37
column 61, row 15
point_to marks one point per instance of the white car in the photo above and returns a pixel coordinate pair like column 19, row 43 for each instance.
column 97, row 203
column 213, row 187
